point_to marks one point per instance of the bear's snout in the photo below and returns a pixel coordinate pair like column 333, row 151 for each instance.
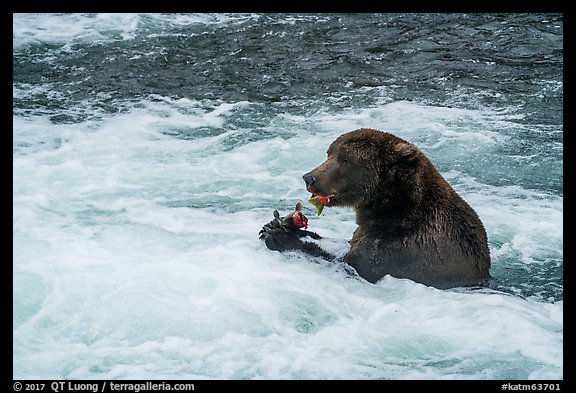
column 309, row 179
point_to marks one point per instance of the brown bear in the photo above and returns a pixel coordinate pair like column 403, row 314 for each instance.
column 411, row 222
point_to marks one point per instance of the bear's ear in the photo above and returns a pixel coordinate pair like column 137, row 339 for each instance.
column 407, row 152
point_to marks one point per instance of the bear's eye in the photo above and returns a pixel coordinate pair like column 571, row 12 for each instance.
column 344, row 158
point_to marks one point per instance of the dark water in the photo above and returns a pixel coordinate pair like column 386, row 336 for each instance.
column 289, row 63
column 483, row 60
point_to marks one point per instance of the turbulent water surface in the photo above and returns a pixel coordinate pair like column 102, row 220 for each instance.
column 148, row 150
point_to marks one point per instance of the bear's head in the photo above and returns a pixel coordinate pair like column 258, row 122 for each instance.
column 367, row 166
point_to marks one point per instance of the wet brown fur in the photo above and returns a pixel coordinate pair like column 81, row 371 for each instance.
column 411, row 222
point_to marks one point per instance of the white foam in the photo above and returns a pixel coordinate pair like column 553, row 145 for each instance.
column 143, row 247
column 70, row 28
column 520, row 222
column 73, row 28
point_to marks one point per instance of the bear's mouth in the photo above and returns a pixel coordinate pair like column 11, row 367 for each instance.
column 329, row 198
column 319, row 201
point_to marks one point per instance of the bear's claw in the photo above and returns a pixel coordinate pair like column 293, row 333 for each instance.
column 278, row 237
column 282, row 238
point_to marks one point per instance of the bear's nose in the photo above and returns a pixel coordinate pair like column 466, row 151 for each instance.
column 309, row 179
